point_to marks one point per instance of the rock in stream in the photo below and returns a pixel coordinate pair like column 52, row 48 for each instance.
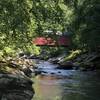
column 15, row 87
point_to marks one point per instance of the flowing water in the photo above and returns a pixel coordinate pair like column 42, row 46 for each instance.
column 54, row 84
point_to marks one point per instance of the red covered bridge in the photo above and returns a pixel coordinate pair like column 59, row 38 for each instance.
column 48, row 41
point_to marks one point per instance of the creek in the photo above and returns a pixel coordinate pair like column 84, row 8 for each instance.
column 55, row 84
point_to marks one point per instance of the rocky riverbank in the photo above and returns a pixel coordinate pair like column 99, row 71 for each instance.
column 15, row 83
column 76, row 60
column 15, row 87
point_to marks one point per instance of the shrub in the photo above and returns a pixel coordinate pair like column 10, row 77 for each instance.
column 72, row 55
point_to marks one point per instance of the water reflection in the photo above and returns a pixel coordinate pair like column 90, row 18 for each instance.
column 80, row 86
column 46, row 88
column 66, row 84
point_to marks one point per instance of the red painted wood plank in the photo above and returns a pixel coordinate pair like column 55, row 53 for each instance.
column 61, row 41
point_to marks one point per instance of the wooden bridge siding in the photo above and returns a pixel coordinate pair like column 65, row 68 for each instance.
column 43, row 41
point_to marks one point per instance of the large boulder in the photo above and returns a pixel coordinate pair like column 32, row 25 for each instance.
column 54, row 60
column 57, row 60
column 66, row 65
column 15, row 87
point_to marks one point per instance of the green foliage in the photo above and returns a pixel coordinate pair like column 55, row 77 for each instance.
column 50, row 51
column 1, row 55
column 33, row 49
column 7, row 52
column 85, row 23
column 72, row 55
column 21, row 20
column 16, row 22
column 50, row 14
